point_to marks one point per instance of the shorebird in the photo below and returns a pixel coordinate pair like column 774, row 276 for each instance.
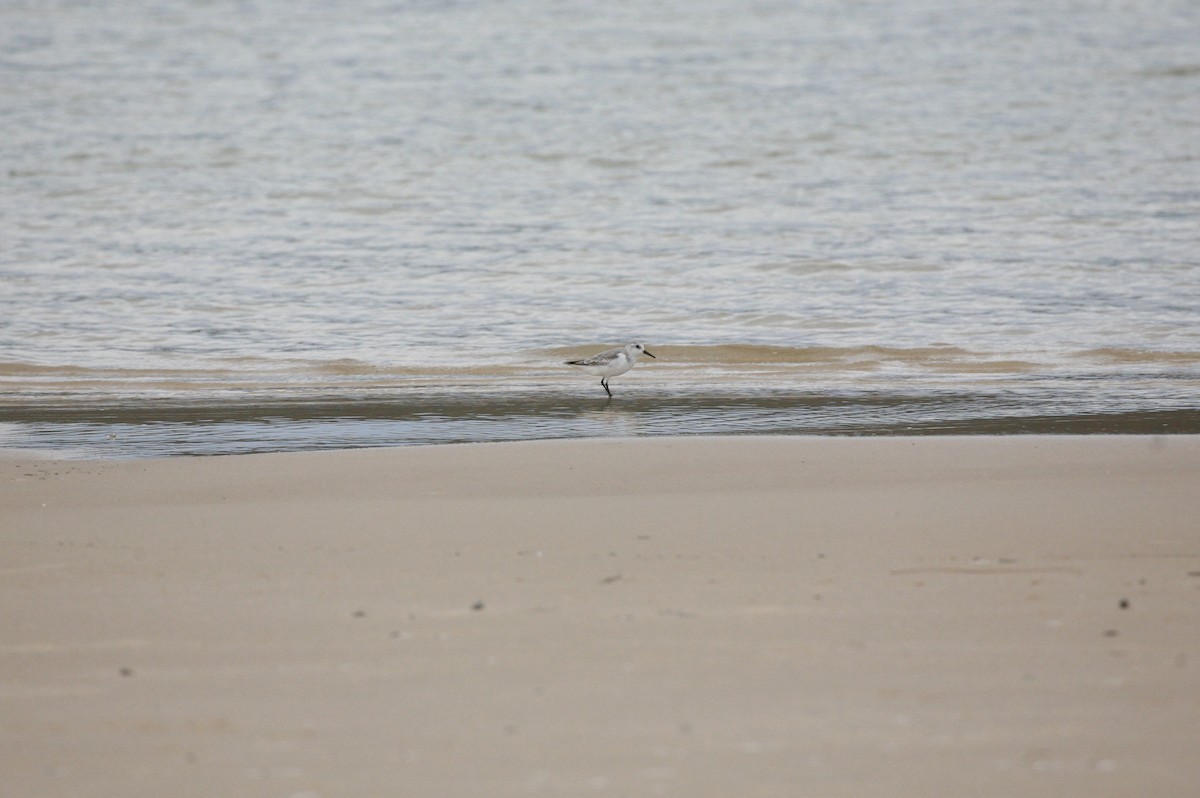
column 611, row 362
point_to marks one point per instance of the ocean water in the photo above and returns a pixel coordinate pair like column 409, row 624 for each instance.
column 249, row 226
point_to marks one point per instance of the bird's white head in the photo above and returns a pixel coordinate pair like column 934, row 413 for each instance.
column 634, row 350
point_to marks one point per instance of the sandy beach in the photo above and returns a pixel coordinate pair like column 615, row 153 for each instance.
column 754, row 616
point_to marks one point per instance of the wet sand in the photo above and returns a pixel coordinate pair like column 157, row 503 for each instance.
column 684, row 617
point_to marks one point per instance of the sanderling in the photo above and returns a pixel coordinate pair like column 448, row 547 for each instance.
column 611, row 362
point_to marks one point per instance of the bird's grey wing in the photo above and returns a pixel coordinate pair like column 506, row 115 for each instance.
column 597, row 360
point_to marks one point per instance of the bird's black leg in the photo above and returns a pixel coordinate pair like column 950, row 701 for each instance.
column 605, row 384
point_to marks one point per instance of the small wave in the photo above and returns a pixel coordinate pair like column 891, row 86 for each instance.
column 68, row 371
column 1147, row 356
column 240, row 367
column 614, row 163
column 356, row 368
column 741, row 357
column 1176, row 71
column 25, row 369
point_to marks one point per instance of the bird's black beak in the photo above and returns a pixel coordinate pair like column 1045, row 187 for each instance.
column 647, row 352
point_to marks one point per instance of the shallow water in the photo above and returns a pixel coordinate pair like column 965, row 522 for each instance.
column 400, row 217
column 260, row 425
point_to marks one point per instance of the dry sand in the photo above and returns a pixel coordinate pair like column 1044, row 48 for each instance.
column 686, row 617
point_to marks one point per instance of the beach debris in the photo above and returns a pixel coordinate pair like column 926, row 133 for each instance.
column 478, row 605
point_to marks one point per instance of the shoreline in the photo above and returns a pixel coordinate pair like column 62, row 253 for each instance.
column 180, row 427
column 696, row 616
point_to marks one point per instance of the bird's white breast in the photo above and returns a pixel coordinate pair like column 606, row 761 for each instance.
column 618, row 365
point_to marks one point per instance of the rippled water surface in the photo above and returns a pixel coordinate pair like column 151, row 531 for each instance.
column 244, row 226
